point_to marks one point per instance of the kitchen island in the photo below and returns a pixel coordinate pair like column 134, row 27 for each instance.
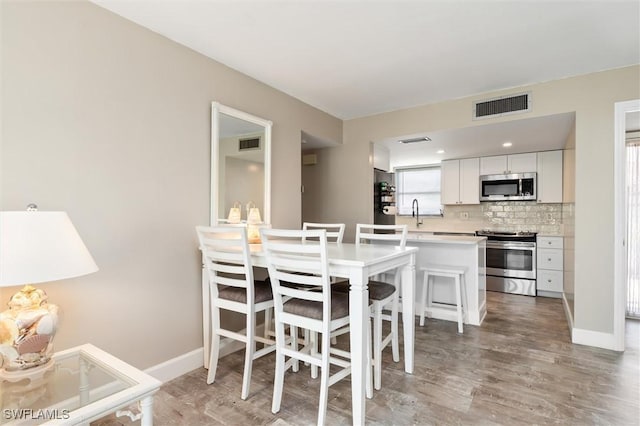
column 458, row 250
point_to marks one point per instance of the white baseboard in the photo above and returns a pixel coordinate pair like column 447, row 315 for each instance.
column 593, row 338
column 182, row 364
column 178, row 366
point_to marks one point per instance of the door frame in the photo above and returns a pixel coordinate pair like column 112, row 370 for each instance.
column 620, row 219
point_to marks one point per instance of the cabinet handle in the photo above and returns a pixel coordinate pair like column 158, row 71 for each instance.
column 548, row 281
column 548, row 242
column 549, row 259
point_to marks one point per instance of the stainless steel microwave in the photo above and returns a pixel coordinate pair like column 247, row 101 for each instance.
column 519, row 186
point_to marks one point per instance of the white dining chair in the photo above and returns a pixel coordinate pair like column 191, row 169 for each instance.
column 335, row 231
column 335, row 234
column 226, row 257
column 382, row 295
column 291, row 259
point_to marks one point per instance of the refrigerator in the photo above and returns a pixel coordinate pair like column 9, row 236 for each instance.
column 384, row 194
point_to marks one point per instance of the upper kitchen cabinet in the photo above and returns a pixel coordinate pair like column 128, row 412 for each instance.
column 549, row 177
column 507, row 164
column 460, row 181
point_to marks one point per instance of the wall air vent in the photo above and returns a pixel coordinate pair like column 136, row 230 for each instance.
column 415, row 140
column 503, row 105
column 249, row 143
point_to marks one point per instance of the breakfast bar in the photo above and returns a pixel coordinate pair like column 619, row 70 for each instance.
column 454, row 250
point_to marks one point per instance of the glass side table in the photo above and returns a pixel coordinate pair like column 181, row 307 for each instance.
column 85, row 384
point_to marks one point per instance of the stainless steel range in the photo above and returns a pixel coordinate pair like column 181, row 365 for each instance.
column 511, row 261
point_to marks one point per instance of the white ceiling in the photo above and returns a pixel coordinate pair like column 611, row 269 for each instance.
column 526, row 135
column 355, row 58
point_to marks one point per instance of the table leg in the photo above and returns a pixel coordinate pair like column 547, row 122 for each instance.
column 359, row 314
column 84, row 382
column 408, row 319
column 146, row 410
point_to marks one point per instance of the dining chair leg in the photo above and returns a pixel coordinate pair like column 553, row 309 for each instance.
column 395, row 345
column 369, row 374
column 294, row 347
column 423, row 300
column 278, row 380
column 215, row 345
column 250, row 349
column 377, row 346
column 324, row 378
column 268, row 322
column 313, row 336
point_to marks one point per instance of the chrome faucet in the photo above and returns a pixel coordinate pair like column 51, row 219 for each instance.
column 415, row 212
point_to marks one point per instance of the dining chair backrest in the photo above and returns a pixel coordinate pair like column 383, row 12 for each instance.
column 292, row 260
column 335, row 231
column 368, row 232
column 226, row 257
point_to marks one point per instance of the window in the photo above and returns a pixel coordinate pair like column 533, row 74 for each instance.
column 422, row 184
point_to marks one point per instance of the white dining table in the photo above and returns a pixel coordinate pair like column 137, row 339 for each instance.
column 356, row 263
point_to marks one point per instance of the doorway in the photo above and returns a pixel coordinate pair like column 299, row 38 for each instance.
column 316, row 178
column 626, row 122
column 632, row 152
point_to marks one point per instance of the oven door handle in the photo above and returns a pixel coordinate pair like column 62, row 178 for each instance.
column 511, row 245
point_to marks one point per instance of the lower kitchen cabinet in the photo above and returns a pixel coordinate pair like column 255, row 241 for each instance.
column 549, row 282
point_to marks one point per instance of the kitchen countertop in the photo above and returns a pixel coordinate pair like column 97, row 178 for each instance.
column 443, row 239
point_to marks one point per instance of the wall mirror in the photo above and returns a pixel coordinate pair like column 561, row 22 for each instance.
column 240, row 164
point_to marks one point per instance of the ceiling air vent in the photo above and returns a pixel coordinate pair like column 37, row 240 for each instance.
column 503, row 105
column 249, row 143
column 416, row 140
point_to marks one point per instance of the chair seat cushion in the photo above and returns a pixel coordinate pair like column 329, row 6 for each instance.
column 311, row 309
column 378, row 290
column 289, row 284
column 262, row 293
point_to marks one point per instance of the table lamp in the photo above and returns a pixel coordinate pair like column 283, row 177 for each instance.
column 234, row 213
column 253, row 222
column 35, row 247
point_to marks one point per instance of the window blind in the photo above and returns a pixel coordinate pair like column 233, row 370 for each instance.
column 422, row 184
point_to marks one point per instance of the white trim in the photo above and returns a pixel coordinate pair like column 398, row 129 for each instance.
column 182, row 364
column 593, row 338
column 176, row 367
column 620, row 223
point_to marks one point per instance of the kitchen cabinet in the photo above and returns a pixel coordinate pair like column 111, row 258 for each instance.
column 549, row 170
column 460, row 181
column 549, row 281
column 508, row 164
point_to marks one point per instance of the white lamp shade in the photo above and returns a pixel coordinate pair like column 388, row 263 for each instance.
column 254, row 216
column 40, row 247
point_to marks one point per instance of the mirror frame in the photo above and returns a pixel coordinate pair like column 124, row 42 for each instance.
column 217, row 109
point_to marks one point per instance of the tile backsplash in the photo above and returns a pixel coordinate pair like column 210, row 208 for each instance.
column 497, row 216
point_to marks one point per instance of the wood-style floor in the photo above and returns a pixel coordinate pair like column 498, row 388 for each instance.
column 519, row 367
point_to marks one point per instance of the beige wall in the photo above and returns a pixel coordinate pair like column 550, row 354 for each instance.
column 111, row 122
column 592, row 97
column 568, row 220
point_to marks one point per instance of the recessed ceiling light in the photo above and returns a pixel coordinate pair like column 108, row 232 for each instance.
column 507, row 144
column 440, row 151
